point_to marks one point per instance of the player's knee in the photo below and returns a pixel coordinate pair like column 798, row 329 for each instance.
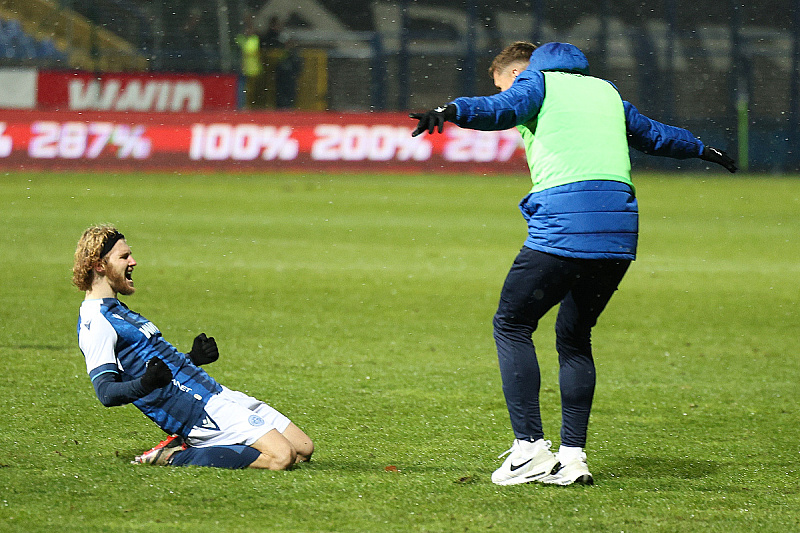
column 573, row 341
column 506, row 327
column 304, row 450
column 497, row 322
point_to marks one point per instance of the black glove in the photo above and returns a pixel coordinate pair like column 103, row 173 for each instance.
column 435, row 118
column 719, row 157
column 204, row 350
column 156, row 375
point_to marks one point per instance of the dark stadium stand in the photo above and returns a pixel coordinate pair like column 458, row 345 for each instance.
column 16, row 44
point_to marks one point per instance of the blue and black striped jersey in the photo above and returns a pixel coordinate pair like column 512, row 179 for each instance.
column 116, row 340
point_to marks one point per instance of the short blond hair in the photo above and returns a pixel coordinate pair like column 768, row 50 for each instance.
column 88, row 254
column 518, row 52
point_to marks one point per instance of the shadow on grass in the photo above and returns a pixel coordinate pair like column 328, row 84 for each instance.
column 41, row 347
column 321, row 466
column 661, row 467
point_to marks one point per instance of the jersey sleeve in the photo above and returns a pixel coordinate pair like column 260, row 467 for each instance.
column 516, row 105
column 655, row 138
column 112, row 392
column 97, row 340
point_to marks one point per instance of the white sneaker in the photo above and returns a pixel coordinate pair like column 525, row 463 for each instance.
column 571, row 469
column 528, row 461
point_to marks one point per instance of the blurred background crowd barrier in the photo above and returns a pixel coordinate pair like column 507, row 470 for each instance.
column 726, row 70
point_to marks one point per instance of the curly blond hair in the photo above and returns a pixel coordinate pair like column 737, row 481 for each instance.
column 88, row 254
column 519, row 51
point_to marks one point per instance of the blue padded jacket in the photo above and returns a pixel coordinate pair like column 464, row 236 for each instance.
column 589, row 219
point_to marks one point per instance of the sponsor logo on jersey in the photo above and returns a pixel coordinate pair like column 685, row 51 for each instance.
column 148, row 329
column 255, row 420
column 181, row 386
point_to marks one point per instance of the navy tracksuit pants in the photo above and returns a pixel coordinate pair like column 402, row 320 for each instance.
column 536, row 283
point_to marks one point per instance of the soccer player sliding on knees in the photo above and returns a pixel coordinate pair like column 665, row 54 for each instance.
column 582, row 217
column 129, row 361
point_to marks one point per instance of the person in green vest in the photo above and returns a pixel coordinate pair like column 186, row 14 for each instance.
column 252, row 67
column 582, row 217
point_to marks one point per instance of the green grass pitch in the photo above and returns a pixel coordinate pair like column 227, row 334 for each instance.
column 361, row 307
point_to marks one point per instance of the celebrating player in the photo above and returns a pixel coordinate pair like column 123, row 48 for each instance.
column 582, row 220
column 129, row 361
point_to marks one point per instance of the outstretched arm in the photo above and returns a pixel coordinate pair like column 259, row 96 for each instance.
column 516, row 105
column 655, row 138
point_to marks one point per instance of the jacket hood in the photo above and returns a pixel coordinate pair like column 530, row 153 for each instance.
column 564, row 57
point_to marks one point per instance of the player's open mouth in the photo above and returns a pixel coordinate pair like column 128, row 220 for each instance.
column 129, row 275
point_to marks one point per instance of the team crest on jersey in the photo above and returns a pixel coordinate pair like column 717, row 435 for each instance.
column 255, row 420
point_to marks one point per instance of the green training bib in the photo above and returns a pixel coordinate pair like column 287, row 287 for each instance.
column 579, row 133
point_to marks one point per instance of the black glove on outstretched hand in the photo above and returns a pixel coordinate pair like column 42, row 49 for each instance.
column 719, row 157
column 435, row 118
column 156, row 375
column 204, row 350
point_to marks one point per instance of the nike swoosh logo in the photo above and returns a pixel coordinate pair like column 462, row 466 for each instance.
column 517, row 467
